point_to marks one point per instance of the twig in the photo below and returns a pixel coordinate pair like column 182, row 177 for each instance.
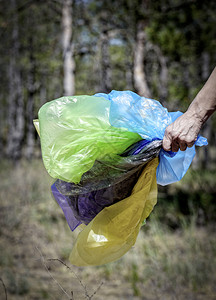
column 43, row 261
column 80, row 281
column 4, row 287
column 89, row 297
column 95, row 292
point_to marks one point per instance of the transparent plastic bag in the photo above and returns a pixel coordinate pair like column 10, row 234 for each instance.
column 103, row 185
column 173, row 168
column 102, row 180
column 75, row 131
column 149, row 119
column 138, row 114
column 114, row 230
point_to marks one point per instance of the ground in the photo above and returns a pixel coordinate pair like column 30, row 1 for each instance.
column 164, row 264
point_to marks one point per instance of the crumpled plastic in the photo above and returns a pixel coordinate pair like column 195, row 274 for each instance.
column 149, row 119
column 114, row 230
column 103, row 152
column 138, row 114
column 104, row 184
column 75, row 131
column 172, row 169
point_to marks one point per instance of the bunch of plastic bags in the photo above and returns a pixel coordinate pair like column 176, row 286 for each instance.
column 105, row 152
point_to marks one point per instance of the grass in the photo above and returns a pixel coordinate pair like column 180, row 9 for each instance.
column 176, row 263
column 165, row 263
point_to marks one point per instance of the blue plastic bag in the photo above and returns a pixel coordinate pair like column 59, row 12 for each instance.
column 172, row 169
column 149, row 119
column 144, row 116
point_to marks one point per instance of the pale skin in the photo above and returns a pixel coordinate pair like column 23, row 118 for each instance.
column 183, row 132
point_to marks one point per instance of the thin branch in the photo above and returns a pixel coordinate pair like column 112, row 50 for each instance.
column 4, row 287
column 95, row 292
column 80, row 281
column 89, row 297
column 43, row 261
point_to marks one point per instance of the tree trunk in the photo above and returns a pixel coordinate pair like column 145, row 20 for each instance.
column 15, row 98
column 208, row 125
column 163, row 74
column 129, row 67
column 43, row 91
column 1, row 131
column 140, row 82
column 67, row 45
column 106, row 84
column 30, row 142
column 163, row 93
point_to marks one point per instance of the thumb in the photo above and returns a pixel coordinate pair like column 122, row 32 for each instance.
column 167, row 142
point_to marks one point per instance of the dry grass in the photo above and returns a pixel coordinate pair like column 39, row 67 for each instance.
column 164, row 264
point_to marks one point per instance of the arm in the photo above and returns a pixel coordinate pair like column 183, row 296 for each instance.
column 183, row 132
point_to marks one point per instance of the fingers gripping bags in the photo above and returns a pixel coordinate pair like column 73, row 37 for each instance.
column 103, row 152
column 149, row 119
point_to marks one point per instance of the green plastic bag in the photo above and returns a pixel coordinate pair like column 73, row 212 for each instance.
column 75, row 131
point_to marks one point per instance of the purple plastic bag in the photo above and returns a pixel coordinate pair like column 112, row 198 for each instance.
column 104, row 185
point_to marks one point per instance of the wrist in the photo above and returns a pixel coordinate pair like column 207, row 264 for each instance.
column 200, row 109
column 198, row 113
column 204, row 103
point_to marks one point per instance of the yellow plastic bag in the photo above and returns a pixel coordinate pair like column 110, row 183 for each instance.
column 114, row 230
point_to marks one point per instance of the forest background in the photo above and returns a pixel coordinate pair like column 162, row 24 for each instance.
column 160, row 49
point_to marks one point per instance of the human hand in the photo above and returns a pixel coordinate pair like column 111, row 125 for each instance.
column 182, row 133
